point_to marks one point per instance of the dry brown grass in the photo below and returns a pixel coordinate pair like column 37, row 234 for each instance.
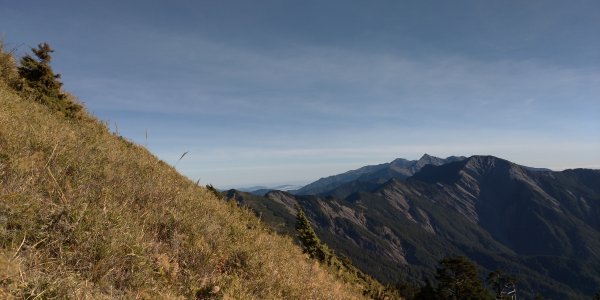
column 87, row 214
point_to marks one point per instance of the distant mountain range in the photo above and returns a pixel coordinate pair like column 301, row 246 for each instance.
column 399, row 168
column 261, row 190
column 395, row 221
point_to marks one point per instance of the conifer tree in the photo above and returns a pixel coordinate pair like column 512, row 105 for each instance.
column 308, row 238
column 499, row 281
column 312, row 245
column 38, row 73
column 458, row 279
column 40, row 81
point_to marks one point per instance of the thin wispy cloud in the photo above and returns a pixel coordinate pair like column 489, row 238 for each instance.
column 337, row 81
column 345, row 97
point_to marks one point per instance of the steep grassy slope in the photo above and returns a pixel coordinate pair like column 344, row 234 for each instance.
column 87, row 214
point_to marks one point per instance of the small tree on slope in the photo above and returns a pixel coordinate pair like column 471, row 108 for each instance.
column 40, row 81
column 458, row 279
column 308, row 238
column 502, row 283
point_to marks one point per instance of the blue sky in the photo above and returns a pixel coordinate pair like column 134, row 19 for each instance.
column 272, row 92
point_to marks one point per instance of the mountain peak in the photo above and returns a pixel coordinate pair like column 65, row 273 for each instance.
column 485, row 163
column 434, row 160
column 426, row 157
column 473, row 167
